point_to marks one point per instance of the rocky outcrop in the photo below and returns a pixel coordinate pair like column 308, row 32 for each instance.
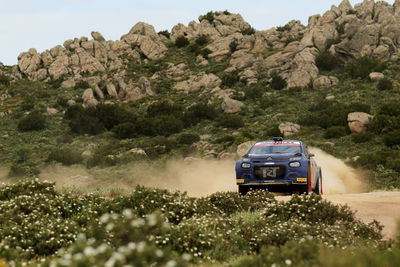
column 325, row 81
column 90, row 56
column 289, row 128
column 231, row 106
column 367, row 29
column 358, row 121
column 200, row 82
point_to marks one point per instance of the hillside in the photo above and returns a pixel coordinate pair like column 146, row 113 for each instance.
column 204, row 89
column 99, row 117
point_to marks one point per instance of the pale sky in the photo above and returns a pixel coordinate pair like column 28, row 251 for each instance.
column 43, row 24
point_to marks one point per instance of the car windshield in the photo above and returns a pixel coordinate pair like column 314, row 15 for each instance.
column 275, row 149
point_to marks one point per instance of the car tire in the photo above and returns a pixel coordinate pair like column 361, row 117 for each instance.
column 318, row 186
column 243, row 190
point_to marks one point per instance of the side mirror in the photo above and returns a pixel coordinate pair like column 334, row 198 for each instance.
column 311, row 155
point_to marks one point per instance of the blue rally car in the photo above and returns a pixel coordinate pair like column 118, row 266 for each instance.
column 279, row 166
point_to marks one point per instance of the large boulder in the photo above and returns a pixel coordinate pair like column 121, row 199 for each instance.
column 289, row 128
column 88, row 98
column 376, row 76
column 325, row 81
column 231, row 106
column 358, row 121
column 243, row 148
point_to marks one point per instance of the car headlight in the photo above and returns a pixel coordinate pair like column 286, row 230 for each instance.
column 294, row 164
column 246, row 165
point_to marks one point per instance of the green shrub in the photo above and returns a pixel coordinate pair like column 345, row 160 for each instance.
column 325, row 61
column 23, row 169
column 64, row 155
column 181, row 41
column 267, row 102
column 164, row 108
column 255, row 91
column 248, row 31
column 82, row 85
column 340, row 28
column 125, row 130
column 166, row 33
column 62, row 102
column 392, row 138
column 4, row 80
column 111, row 115
column 202, row 40
column 230, row 121
column 199, row 112
column 359, row 107
column 277, row 82
column 390, row 109
column 81, row 122
column 233, row 46
column 229, row 79
column 384, row 85
column 209, row 16
column 34, row 121
column 163, row 125
column 362, row 67
column 371, row 160
column 28, row 103
column 335, row 132
column 362, row 137
column 272, row 131
column 23, row 154
column 188, row 138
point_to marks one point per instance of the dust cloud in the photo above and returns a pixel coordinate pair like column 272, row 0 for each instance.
column 337, row 177
column 198, row 177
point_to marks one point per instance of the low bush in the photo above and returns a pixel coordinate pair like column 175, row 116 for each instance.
column 230, row 121
column 4, row 80
column 335, row 132
column 233, row 46
column 390, row 109
column 125, row 130
column 82, row 85
column 384, row 85
column 28, row 103
column 187, row 138
column 229, row 79
column 362, row 67
column 325, row 61
column 392, row 138
column 198, row 112
column 66, row 156
column 166, row 33
column 181, row 41
column 34, row 121
column 254, row 92
column 164, row 108
column 277, row 82
column 62, row 102
column 209, row 16
column 362, row 137
column 248, row 31
column 202, row 40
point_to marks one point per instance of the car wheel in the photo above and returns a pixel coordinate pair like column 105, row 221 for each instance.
column 318, row 186
column 243, row 190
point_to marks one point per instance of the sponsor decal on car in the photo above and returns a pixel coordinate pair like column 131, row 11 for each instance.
column 240, row 181
column 302, row 180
